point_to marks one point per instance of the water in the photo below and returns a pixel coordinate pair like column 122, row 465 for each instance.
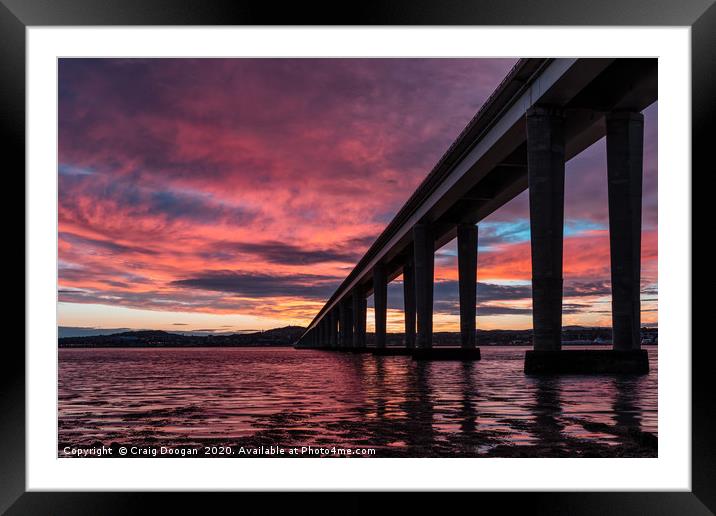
column 254, row 397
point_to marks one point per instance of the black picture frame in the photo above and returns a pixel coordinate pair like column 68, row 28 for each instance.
column 17, row 15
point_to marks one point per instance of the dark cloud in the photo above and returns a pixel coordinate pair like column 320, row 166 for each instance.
column 446, row 297
column 105, row 245
column 197, row 209
column 501, row 310
column 178, row 300
column 113, row 275
column 263, row 285
column 123, row 195
column 282, row 253
column 650, row 290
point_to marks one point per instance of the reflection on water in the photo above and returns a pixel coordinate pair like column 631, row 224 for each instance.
column 287, row 397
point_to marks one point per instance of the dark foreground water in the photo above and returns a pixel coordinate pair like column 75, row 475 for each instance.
column 252, row 399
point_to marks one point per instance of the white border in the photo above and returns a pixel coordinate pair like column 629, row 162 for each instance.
column 671, row 470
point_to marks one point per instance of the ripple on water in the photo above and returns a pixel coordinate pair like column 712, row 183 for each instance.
column 282, row 396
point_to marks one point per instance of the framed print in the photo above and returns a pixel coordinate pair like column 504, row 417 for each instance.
column 450, row 239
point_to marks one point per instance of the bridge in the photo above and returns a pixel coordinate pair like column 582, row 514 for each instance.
column 545, row 112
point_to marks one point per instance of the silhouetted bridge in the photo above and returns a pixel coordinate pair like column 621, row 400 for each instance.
column 545, row 112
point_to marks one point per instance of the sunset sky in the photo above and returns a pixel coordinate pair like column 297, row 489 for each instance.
column 236, row 194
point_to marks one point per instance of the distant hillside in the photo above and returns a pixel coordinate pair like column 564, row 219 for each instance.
column 161, row 339
column 84, row 331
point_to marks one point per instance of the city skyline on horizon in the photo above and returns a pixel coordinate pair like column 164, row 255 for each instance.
column 221, row 193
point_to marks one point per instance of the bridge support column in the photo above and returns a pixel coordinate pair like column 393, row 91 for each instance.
column 545, row 162
column 467, row 277
column 343, row 324
column 349, row 323
column 359, row 316
column 325, row 333
column 409, row 303
column 424, row 259
column 380, row 303
column 333, row 328
column 625, row 141
column 545, row 175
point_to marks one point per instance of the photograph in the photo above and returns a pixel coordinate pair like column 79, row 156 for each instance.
column 423, row 248
column 357, row 257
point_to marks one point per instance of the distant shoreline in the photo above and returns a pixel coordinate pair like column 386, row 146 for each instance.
column 291, row 346
column 286, row 337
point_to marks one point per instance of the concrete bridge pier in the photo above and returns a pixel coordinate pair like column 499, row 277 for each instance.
column 359, row 322
column 380, row 304
column 625, row 141
column 545, row 163
column 326, row 333
column 424, row 266
column 545, row 176
column 346, row 325
column 409, row 303
column 333, row 329
column 349, row 323
column 341, row 326
column 467, row 277
column 380, row 296
column 424, row 260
